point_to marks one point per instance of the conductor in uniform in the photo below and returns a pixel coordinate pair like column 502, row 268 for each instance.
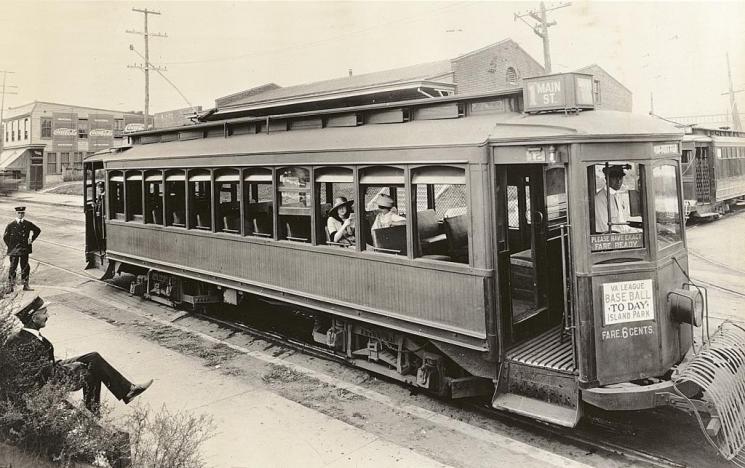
column 16, row 237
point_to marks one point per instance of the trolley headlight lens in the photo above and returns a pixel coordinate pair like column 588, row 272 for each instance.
column 686, row 306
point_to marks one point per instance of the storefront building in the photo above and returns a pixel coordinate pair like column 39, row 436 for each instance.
column 45, row 142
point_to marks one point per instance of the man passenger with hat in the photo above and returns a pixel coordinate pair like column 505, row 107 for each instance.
column 16, row 237
column 32, row 362
column 619, row 209
column 340, row 223
column 387, row 214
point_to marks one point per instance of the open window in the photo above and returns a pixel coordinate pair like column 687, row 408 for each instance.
column 335, row 195
column 175, row 198
column 116, row 195
column 384, row 219
column 133, row 194
column 666, row 205
column 154, row 197
column 442, row 213
column 616, row 205
column 227, row 201
column 294, row 196
column 200, row 199
column 257, row 200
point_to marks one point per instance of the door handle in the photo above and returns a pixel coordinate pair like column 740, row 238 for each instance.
column 539, row 215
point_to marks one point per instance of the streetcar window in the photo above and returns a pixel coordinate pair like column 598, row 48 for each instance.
column 133, row 194
column 666, row 206
column 227, row 202
column 384, row 219
column 441, row 213
column 116, row 195
column 616, row 214
column 335, row 197
column 154, row 197
column 175, row 199
column 200, row 200
column 294, row 193
column 257, row 199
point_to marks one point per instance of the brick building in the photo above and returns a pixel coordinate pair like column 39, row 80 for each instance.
column 43, row 140
column 499, row 66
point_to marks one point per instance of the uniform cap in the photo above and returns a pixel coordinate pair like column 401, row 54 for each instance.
column 20, row 209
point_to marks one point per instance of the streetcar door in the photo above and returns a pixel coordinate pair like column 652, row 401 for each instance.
column 522, row 252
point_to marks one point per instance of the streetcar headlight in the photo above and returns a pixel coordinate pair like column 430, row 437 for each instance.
column 686, row 306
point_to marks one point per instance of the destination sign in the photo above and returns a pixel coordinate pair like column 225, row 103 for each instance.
column 628, row 301
column 616, row 241
column 666, row 149
column 545, row 93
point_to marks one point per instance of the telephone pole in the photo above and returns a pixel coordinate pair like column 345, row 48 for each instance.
column 736, row 123
column 540, row 28
column 2, row 105
column 147, row 66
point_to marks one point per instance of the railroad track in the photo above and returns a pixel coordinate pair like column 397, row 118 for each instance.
column 565, row 435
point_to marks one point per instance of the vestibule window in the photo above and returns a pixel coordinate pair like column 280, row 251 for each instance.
column 257, row 199
column 175, row 198
column 116, row 195
column 227, row 201
column 133, row 195
column 294, row 194
column 384, row 222
column 616, row 206
column 154, row 197
column 200, row 199
column 667, row 210
column 442, row 213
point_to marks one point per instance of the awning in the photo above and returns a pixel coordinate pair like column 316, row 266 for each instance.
column 10, row 156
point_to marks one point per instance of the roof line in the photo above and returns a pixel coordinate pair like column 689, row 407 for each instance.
column 606, row 72
column 35, row 103
column 503, row 41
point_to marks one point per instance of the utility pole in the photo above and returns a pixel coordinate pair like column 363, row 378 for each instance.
column 2, row 105
column 736, row 123
column 541, row 29
column 147, row 66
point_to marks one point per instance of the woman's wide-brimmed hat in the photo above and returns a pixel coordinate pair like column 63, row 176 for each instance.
column 338, row 203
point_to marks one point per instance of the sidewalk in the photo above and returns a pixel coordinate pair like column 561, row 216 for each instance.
column 255, row 427
column 41, row 198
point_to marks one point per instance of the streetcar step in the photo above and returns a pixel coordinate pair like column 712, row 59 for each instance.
column 538, row 409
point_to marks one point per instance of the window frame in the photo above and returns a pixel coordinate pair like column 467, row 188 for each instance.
column 663, row 250
column 116, row 176
column 45, row 124
column 392, row 182
column 134, row 175
column 259, row 175
column 281, row 232
column 219, row 224
column 199, row 174
column 427, row 175
column 333, row 174
column 174, row 175
column 149, row 177
column 622, row 255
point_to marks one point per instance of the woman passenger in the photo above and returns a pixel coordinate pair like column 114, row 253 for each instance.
column 340, row 224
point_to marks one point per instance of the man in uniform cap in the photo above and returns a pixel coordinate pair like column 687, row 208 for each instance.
column 16, row 237
column 31, row 361
column 610, row 196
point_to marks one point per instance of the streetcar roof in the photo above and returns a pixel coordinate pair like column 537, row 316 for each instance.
column 479, row 130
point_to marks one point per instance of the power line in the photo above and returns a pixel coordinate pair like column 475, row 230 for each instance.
column 157, row 69
column 2, row 104
column 147, row 66
column 540, row 28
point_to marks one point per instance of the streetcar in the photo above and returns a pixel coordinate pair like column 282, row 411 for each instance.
column 539, row 256
column 713, row 162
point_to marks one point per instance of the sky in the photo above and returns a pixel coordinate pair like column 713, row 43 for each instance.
column 78, row 52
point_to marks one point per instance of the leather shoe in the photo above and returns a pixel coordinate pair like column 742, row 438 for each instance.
column 26, row 287
column 136, row 390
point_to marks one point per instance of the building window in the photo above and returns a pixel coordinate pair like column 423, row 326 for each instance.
column 77, row 162
column 82, row 128
column 25, row 129
column 46, row 127
column 118, row 127
column 12, row 131
column 51, row 163
column 511, row 76
column 596, row 90
column 65, row 160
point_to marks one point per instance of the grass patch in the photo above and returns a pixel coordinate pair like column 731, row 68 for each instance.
column 283, row 374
